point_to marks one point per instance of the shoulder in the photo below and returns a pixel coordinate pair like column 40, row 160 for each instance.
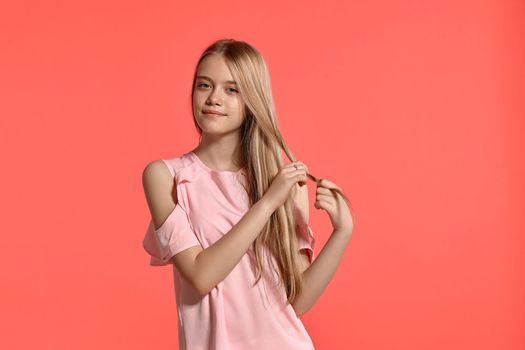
column 182, row 167
column 172, row 165
column 156, row 175
column 156, row 168
column 159, row 188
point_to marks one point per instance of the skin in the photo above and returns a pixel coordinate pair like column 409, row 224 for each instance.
column 219, row 150
column 219, row 145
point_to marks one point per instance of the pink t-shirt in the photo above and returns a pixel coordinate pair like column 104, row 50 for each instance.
column 235, row 315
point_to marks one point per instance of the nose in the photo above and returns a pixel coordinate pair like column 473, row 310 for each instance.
column 214, row 97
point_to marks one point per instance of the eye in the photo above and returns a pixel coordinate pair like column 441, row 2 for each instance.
column 199, row 85
column 234, row 90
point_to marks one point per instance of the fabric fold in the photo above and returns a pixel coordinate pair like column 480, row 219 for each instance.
column 189, row 173
column 305, row 235
column 173, row 236
column 233, row 315
column 306, row 240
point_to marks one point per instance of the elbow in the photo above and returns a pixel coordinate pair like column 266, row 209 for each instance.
column 204, row 292
column 200, row 288
column 196, row 280
column 200, row 281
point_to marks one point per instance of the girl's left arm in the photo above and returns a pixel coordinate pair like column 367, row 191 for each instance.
column 320, row 272
column 317, row 276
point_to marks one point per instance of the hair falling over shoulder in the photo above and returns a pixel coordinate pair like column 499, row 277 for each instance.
column 261, row 147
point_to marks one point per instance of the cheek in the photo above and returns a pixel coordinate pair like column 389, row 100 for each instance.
column 198, row 103
column 236, row 105
column 198, row 99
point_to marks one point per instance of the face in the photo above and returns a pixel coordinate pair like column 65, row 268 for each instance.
column 216, row 91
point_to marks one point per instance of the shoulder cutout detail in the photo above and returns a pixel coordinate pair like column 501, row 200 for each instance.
column 170, row 168
column 189, row 172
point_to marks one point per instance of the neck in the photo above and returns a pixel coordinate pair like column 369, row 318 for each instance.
column 220, row 153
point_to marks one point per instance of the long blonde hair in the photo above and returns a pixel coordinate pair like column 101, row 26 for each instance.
column 261, row 146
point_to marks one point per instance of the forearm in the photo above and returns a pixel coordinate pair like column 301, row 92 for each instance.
column 317, row 276
column 214, row 263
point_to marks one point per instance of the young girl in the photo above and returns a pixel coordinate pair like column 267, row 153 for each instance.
column 232, row 218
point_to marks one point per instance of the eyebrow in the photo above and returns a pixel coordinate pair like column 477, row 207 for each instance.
column 208, row 78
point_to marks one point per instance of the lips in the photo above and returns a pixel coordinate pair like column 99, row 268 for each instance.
column 217, row 113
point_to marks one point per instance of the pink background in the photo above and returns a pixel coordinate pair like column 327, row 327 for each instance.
column 414, row 108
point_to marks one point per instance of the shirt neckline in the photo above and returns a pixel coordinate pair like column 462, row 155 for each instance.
column 204, row 166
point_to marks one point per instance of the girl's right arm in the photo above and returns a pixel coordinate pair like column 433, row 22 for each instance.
column 214, row 263
column 205, row 268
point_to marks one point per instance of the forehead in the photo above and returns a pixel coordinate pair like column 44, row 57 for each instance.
column 214, row 68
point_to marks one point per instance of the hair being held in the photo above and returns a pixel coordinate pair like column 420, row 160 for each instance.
column 261, row 155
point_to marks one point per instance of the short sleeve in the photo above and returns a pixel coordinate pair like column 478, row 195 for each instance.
column 306, row 239
column 172, row 237
column 305, row 235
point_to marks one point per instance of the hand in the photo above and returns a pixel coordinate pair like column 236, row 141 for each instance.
column 283, row 183
column 335, row 205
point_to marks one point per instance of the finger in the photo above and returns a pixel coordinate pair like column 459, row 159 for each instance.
column 295, row 174
column 300, row 174
column 299, row 165
column 329, row 201
column 324, row 203
column 328, row 184
column 325, row 196
column 323, row 190
column 298, row 170
column 292, row 165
